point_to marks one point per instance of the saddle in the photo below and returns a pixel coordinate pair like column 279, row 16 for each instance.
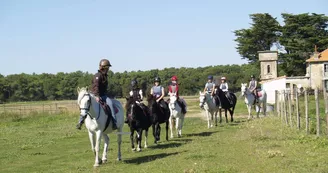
column 107, row 109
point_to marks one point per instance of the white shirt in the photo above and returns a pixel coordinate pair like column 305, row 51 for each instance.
column 140, row 92
column 226, row 89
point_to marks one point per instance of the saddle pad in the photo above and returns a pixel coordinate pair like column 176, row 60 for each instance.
column 259, row 94
column 115, row 109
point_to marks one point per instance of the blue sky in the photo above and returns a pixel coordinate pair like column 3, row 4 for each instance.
column 69, row 35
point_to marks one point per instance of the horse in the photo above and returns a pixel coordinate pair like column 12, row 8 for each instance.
column 250, row 100
column 175, row 115
column 225, row 104
column 96, row 124
column 159, row 115
column 138, row 120
column 210, row 107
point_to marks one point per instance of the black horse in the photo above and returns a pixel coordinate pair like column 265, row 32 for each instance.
column 226, row 104
column 138, row 120
column 159, row 115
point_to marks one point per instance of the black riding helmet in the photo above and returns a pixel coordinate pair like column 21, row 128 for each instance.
column 252, row 76
column 157, row 79
column 134, row 83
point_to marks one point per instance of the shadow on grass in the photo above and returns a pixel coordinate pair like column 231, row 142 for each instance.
column 184, row 140
column 150, row 158
column 164, row 146
column 237, row 122
column 203, row 134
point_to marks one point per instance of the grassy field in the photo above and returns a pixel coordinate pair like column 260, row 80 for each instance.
column 50, row 143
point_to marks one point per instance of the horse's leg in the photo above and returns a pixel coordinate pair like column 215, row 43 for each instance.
column 132, row 138
column 92, row 141
column 232, row 112
column 154, row 133
column 226, row 116
column 146, row 137
column 139, row 138
column 171, row 125
column 216, row 118
column 104, row 157
column 97, row 147
column 264, row 108
column 258, row 111
column 167, row 130
column 249, row 109
column 220, row 114
column 158, row 132
column 177, row 121
column 208, row 118
column 181, row 124
column 119, row 142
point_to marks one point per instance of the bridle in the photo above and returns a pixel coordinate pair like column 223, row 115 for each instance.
column 87, row 109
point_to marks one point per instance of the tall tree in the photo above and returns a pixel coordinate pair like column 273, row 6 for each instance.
column 299, row 35
column 262, row 34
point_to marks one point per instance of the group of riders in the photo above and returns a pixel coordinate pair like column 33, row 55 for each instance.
column 100, row 84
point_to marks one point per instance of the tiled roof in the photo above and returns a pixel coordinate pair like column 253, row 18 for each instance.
column 322, row 57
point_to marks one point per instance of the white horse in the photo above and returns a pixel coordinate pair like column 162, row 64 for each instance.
column 175, row 114
column 250, row 100
column 95, row 122
column 210, row 107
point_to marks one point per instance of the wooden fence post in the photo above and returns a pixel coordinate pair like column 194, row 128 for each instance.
column 282, row 105
column 326, row 104
column 285, row 107
column 276, row 107
column 306, row 111
column 290, row 109
column 297, row 111
column 316, row 93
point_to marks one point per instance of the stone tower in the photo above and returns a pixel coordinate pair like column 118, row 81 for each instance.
column 268, row 60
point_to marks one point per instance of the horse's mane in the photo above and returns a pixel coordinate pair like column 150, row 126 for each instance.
column 129, row 101
column 150, row 98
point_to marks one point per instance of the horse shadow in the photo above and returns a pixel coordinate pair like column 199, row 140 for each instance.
column 184, row 140
column 165, row 146
column 149, row 158
column 238, row 122
column 202, row 134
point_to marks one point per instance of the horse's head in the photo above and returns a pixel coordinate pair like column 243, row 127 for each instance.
column 152, row 104
column 173, row 99
column 202, row 99
column 243, row 88
column 84, row 100
column 131, row 107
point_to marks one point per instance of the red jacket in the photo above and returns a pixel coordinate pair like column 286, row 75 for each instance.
column 176, row 89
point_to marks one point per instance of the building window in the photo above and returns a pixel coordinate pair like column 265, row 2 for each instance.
column 325, row 70
column 326, row 85
column 269, row 70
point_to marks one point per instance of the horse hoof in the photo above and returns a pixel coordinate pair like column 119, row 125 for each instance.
column 146, row 146
column 104, row 161
column 119, row 159
column 96, row 165
column 139, row 149
column 133, row 149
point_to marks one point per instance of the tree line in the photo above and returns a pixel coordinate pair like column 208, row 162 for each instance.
column 62, row 86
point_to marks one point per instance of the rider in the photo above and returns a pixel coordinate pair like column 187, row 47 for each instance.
column 136, row 94
column 252, row 87
column 210, row 88
column 99, row 89
column 224, row 87
column 174, row 88
column 158, row 91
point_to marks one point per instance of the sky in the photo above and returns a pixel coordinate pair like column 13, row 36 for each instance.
column 52, row 36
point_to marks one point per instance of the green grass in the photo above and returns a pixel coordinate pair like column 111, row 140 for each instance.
column 50, row 143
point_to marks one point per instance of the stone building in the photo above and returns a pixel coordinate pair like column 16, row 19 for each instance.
column 316, row 74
